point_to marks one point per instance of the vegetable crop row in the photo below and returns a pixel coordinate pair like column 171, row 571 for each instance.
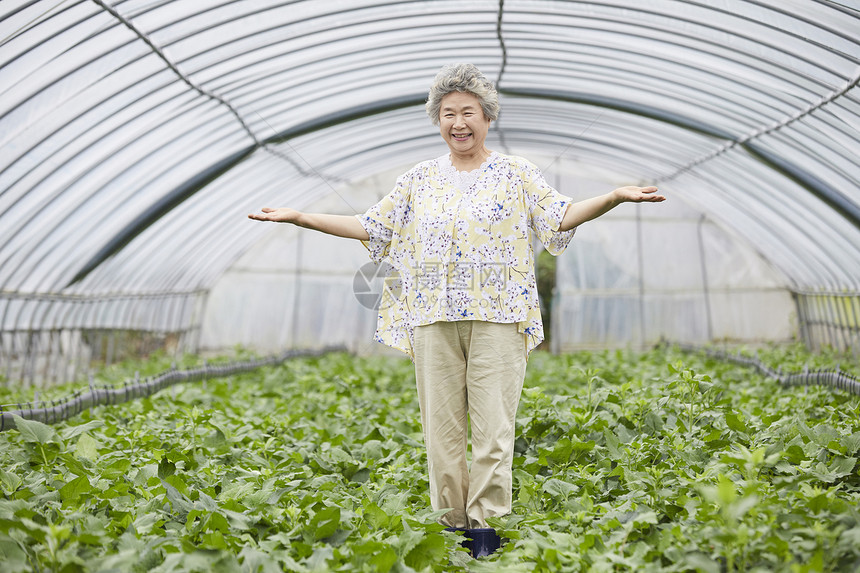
column 624, row 462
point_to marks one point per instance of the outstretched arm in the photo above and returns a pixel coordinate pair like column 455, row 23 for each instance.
column 339, row 225
column 583, row 211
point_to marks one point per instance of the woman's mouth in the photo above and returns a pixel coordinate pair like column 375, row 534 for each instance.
column 461, row 136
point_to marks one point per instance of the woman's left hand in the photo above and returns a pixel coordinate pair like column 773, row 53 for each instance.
column 633, row 194
column 590, row 209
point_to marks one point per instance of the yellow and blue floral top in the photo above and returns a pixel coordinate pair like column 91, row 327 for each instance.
column 459, row 246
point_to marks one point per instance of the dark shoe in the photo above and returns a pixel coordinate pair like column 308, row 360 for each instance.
column 484, row 541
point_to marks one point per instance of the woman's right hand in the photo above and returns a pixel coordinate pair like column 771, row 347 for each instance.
column 338, row 225
column 280, row 215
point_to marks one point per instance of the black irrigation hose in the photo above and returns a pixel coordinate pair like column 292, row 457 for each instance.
column 97, row 395
column 833, row 378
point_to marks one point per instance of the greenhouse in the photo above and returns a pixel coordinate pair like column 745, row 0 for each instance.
column 183, row 388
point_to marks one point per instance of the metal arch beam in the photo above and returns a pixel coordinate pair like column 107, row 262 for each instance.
column 347, row 115
column 202, row 179
column 820, row 189
column 833, row 198
column 161, row 208
column 622, row 105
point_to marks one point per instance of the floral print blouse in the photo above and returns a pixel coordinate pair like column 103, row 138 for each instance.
column 458, row 246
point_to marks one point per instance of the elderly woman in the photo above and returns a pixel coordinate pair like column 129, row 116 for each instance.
column 458, row 231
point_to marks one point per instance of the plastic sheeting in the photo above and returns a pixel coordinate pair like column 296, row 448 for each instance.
column 135, row 135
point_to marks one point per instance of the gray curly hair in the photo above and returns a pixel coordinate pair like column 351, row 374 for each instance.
column 462, row 78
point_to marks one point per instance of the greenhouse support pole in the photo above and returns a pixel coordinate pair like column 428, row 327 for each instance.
column 640, row 261
column 802, row 319
column 27, row 365
column 110, row 350
column 829, row 320
column 5, row 358
column 23, row 337
column 66, row 325
column 56, row 355
column 811, row 310
column 843, row 319
column 832, row 323
column 819, row 321
column 183, row 326
column 838, row 323
column 855, row 320
column 200, row 302
column 4, row 349
column 823, row 328
column 705, row 287
column 74, row 350
column 294, row 333
column 42, row 308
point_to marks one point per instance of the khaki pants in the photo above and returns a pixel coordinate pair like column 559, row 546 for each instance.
column 472, row 368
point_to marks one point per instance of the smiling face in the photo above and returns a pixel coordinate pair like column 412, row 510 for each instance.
column 462, row 123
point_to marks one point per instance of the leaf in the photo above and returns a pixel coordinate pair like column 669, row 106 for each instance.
column 360, row 476
column 645, row 518
column 35, row 432
column 851, row 443
column 737, row 510
column 395, row 503
column 14, row 559
column 116, row 469
column 407, row 540
column 325, row 522
column 735, row 423
column 726, row 491
column 384, row 560
column 838, row 468
column 257, row 561
column 166, row 468
column 179, row 502
column 217, row 522
column 559, row 488
column 145, row 523
column 583, row 446
column 431, row 517
column 561, row 451
column 28, row 526
column 612, row 444
column 339, row 455
column 72, row 491
column 87, row 448
column 374, row 516
column 652, row 423
column 9, row 482
column 794, row 454
column 823, row 434
column 431, row 549
column 215, row 440
column 701, row 563
column 72, row 431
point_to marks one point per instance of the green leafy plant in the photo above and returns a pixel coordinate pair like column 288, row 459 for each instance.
column 623, row 462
